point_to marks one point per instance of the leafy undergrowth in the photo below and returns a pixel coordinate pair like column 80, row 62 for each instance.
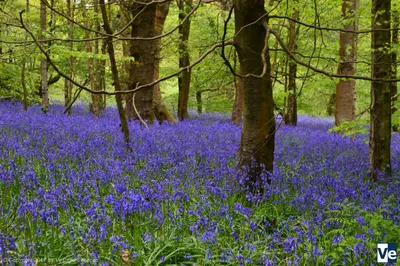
column 72, row 195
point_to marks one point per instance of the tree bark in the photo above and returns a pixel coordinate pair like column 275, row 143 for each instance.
column 256, row 151
column 237, row 111
column 238, row 105
column 395, row 39
column 142, row 70
column 160, row 109
column 68, row 86
column 331, row 105
column 126, row 74
column 23, row 71
column 291, row 103
column 114, row 70
column 95, row 105
column 199, row 102
column 346, row 89
column 103, row 73
column 184, row 60
column 99, row 63
column 43, row 67
column 381, row 123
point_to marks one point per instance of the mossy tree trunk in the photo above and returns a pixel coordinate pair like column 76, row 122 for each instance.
column 237, row 111
column 160, row 109
column 184, row 60
column 291, row 102
column 43, row 62
column 346, row 89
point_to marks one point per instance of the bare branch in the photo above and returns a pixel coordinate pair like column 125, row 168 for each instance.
column 137, row 113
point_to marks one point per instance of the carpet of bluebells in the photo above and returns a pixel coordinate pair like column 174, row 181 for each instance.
column 72, row 194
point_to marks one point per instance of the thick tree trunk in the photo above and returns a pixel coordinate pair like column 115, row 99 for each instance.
column 114, row 70
column 291, row 102
column 43, row 65
column 142, row 70
column 395, row 40
column 381, row 116
column 346, row 89
column 160, row 109
column 184, row 60
column 258, row 130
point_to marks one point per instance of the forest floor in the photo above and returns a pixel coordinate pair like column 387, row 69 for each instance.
column 71, row 194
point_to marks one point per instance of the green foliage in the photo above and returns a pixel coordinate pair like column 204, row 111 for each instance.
column 350, row 128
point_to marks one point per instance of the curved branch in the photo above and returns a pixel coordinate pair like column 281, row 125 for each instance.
column 138, row 87
column 328, row 28
column 330, row 75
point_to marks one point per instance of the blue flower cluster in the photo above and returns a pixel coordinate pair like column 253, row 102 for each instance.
column 71, row 193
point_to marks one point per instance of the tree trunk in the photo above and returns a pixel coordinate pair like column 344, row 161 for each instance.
column 331, row 104
column 142, row 70
column 95, row 105
column 381, row 116
column 291, row 103
column 114, row 70
column 43, row 67
column 160, row 109
column 346, row 89
column 257, row 145
column 126, row 74
column 68, row 86
column 23, row 71
column 395, row 40
column 237, row 111
column 103, row 73
column 99, row 63
column 199, row 102
column 184, row 60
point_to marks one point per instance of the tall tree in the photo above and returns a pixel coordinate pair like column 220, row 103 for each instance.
column 44, row 67
column 142, row 69
column 100, row 64
column 114, row 70
column 257, row 144
column 95, row 105
column 346, row 89
column 160, row 109
column 381, row 116
column 23, row 71
column 291, row 102
column 395, row 39
column 184, row 59
column 68, row 86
